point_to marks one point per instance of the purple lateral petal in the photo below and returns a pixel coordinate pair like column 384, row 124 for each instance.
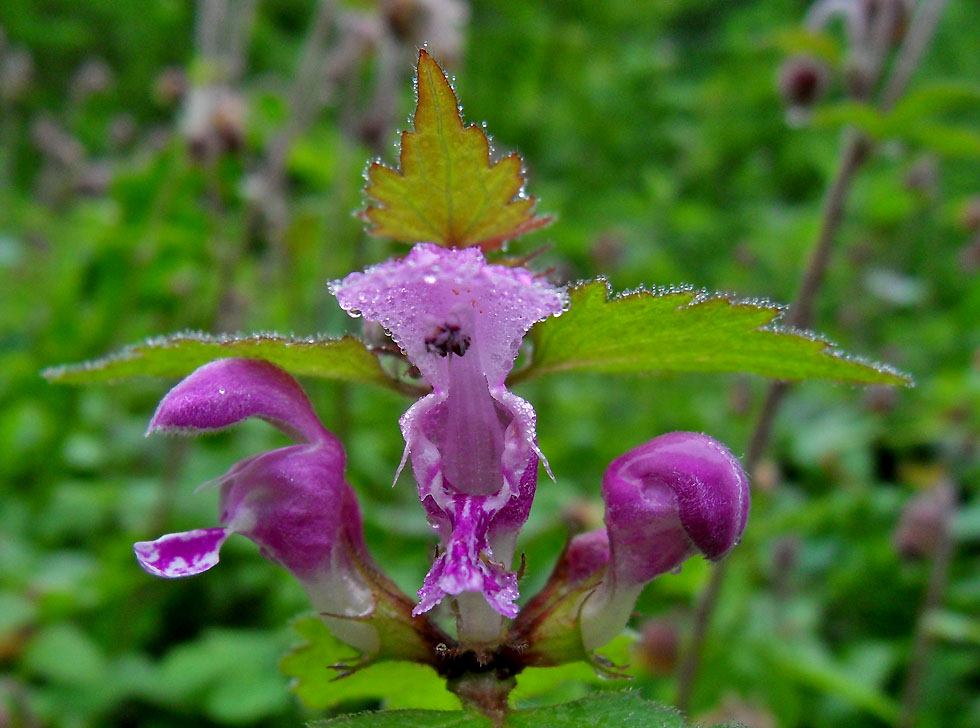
column 227, row 391
column 415, row 297
column 676, row 494
column 181, row 554
column 466, row 564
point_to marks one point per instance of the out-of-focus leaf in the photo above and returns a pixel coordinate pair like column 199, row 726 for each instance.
column 447, row 190
column 407, row 719
column 945, row 139
column 954, row 627
column 799, row 39
column 851, row 113
column 934, row 99
column 346, row 359
column 685, row 331
column 64, row 654
column 230, row 671
column 396, row 684
column 812, row 667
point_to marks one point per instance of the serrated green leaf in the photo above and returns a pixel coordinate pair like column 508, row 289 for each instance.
column 346, row 359
column 447, row 190
column 396, row 684
column 603, row 710
column 684, row 331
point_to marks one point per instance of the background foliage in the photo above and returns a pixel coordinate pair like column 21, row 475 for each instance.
column 656, row 134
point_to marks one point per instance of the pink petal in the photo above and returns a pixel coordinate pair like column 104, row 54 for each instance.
column 432, row 286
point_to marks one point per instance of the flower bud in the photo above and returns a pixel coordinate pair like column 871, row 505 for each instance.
column 922, row 524
column 16, row 75
column 549, row 623
column 659, row 644
column 969, row 217
column 678, row 494
column 803, row 81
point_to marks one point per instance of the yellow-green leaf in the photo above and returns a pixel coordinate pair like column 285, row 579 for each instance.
column 447, row 190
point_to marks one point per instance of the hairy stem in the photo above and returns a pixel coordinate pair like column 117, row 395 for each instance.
column 916, row 40
column 855, row 153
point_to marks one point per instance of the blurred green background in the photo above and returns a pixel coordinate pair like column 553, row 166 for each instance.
column 170, row 166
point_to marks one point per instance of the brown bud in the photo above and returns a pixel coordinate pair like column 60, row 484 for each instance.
column 898, row 22
column 92, row 78
column 405, row 18
column 658, row 646
column 55, row 142
column 94, row 179
column 970, row 215
column 923, row 176
column 170, row 86
column 608, row 250
column 880, row 399
column 922, row 523
column 803, row 81
column 16, row 75
column 581, row 514
column 766, row 475
column 374, row 335
column 122, row 131
column 734, row 710
column 229, row 122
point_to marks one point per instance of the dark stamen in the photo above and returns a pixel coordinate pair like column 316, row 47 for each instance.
column 446, row 340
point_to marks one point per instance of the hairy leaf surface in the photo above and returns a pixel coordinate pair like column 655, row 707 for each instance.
column 685, row 331
column 346, row 359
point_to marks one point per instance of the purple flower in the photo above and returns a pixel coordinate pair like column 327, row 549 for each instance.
column 472, row 444
column 292, row 502
column 676, row 495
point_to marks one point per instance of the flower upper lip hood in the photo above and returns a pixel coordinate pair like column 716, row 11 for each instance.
column 676, row 495
column 460, row 321
column 293, row 502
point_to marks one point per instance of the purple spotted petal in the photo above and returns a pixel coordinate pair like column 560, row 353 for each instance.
column 181, row 554
column 471, row 442
column 227, row 391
